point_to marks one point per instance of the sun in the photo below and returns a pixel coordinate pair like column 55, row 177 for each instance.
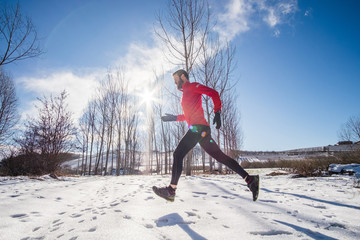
column 147, row 96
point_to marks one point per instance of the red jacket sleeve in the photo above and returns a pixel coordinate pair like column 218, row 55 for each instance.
column 180, row 118
column 213, row 94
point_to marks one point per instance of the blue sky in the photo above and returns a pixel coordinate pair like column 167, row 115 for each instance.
column 298, row 62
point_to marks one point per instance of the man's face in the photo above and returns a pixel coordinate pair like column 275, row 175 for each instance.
column 178, row 82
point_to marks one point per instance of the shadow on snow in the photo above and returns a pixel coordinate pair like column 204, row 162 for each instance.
column 174, row 219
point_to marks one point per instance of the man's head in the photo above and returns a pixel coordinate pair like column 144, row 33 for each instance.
column 180, row 77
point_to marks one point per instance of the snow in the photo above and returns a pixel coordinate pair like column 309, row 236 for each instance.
column 205, row 207
column 345, row 168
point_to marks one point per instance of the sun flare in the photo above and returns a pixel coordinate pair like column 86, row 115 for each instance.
column 147, row 96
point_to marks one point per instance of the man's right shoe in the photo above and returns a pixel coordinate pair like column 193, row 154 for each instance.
column 253, row 185
column 168, row 193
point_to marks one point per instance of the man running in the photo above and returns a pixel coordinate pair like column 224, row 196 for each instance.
column 199, row 132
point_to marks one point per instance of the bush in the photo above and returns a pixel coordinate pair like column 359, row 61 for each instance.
column 32, row 164
column 314, row 166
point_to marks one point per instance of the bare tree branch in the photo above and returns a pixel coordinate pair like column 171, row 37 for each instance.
column 8, row 106
column 18, row 36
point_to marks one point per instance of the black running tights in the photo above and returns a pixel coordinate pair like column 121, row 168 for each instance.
column 201, row 134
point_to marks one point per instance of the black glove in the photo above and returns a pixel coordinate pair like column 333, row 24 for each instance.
column 217, row 119
column 168, row 118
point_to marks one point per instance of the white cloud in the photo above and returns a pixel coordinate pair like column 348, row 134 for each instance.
column 241, row 15
column 142, row 62
column 278, row 13
column 308, row 12
column 271, row 18
column 79, row 86
column 235, row 19
column 277, row 33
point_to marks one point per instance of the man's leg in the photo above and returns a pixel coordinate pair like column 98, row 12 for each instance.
column 189, row 141
column 209, row 145
column 185, row 145
column 213, row 150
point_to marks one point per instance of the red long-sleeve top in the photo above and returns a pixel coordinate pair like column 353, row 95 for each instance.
column 192, row 105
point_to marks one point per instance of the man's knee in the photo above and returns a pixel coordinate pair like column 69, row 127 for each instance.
column 177, row 155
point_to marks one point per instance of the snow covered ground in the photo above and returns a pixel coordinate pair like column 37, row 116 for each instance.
column 206, row 207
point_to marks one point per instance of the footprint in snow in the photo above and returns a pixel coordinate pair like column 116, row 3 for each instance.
column 271, row 233
column 268, row 201
column 58, row 224
column 149, row 226
column 21, row 215
column 86, row 210
column 56, row 221
column 75, row 215
column 190, row 214
column 200, row 193
column 38, row 238
column 14, row 196
column 35, row 229
column 54, row 229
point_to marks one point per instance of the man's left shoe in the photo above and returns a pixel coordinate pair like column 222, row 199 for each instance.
column 167, row 193
column 253, row 185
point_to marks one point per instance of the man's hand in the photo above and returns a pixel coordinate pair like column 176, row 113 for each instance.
column 168, row 118
column 217, row 119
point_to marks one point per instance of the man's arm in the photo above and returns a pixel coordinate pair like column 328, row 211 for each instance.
column 213, row 94
column 180, row 118
column 170, row 117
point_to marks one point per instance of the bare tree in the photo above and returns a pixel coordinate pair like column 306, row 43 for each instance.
column 52, row 133
column 101, row 117
column 87, row 130
column 110, row 124
column 350, row 131
column 183, row 29
column 8, row 105
column 18, row 36
column 214, row 70
column 232, row 133
column 122, row 91
column 84, row 128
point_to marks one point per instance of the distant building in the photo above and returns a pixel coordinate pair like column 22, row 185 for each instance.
column 299, row 154
column 344, row 143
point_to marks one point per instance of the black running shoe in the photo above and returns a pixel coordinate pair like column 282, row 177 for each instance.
column 253, row 185
column 167, row 193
